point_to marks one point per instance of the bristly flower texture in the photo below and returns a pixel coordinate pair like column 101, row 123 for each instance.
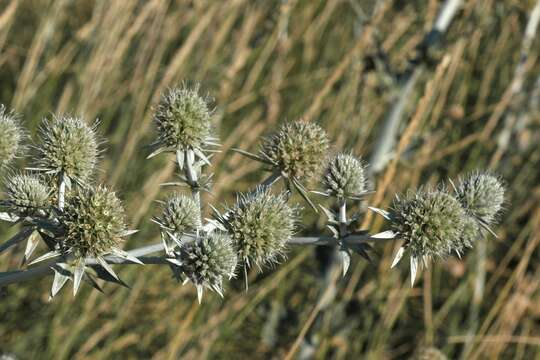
column 68, row 146
column 208, row 260
column 431, row 223
column 297, row 150
column 260, row 224
column 345, row 177
column 183, row 121
column 482, row 196
column 26, row 194
column 93, row 221
column 11, row 137
column 180, row 215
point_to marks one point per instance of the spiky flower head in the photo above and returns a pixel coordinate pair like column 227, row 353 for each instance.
column 180, row 214
column 482, row 196
column 183, row 120
column 26, row 194
column 207, row 260
column 430, row 222
column 429, row 353
column 260, row 224
column 93, row 221
column 68, row 146
column 11, row 136
column 345, row 177
column 297, row 150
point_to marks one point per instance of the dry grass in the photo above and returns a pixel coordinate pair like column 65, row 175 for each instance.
column 266, row 61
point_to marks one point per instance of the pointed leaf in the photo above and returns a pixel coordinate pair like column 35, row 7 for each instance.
column 107, row 267
column 414, row 269
column 398, row 257
column 156, row 152
column 252, row 156
column 49, row 255
column 389, row 234
column 345, row 260
column 199, row 293
column 303, row 193
column 61, row 276
column 174, row 261
column 201, row 156
column 31, row 245
column 125, row 255
column 381, row 212
column 78, row 275
column 126, row 233
column 17, row 238
column 4, row 216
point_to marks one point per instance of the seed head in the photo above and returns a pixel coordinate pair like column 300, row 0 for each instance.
column 180, row 214
column 11, row 137
column 183, row 120
column 68, row 146
column 345, row 177
column 481, row 195
column 260, row 225
column 430, row 221
column 93, row 221
column 26, row 194
column 207, row 260
column 298, row 149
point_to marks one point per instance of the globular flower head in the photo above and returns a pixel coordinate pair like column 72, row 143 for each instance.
column 207, row 260
column 93, row 222
column 260, row 225
column 11, row 138
column 183, row 120
column 345, row 177
column 180, row 215
column 297, row 150
column 26, row 194
column 430, row 222
column 68, row 146
column 429, row 353
column 481, row 195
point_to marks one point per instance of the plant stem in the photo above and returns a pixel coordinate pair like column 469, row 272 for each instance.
column 191, row 174
column 12, row 277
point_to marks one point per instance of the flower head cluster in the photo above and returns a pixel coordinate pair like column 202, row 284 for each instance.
column 207, row 260
column 93, row 222
column 431, row 223
column 345, row 177
column 482, row 196
column 297, row 150
column 180, row 214
column 68, row 146
column 11, row 137
column 183, row 120
column 260, row 225
column 26, row 194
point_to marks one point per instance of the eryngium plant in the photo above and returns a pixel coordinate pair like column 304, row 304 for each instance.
column 260, row 224
column 11, row 137
column 183, row 121
column 26, row 195
column 68, row 146
column 297, row 150
column 180, row 214
column 431, row 223
column 345, row 178
column 93, row 223
column 207, row 260
column 482, row 196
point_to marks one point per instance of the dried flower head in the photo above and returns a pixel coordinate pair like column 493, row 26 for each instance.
column 429, row 353
column 93, row 221
column 183, row 121
column 482, row 196
column 11, row 138
column 68, row 146
column 260, row 224
column 26, row 194
column 298, row 149
column 345, row 177
column 180, row 215
column 207, row 260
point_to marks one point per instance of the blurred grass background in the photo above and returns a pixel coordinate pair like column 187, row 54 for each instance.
column 331, row 61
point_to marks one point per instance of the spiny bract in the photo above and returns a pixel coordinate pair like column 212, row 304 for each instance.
column 260, row 224
column 482, row 196
column 298, row 149
column 207, row 260
column 430, row 221
column 345, row 177
column 93, row 221
column 68, row 146
column 10, row 138
column 26, row 194
column 183, row 120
